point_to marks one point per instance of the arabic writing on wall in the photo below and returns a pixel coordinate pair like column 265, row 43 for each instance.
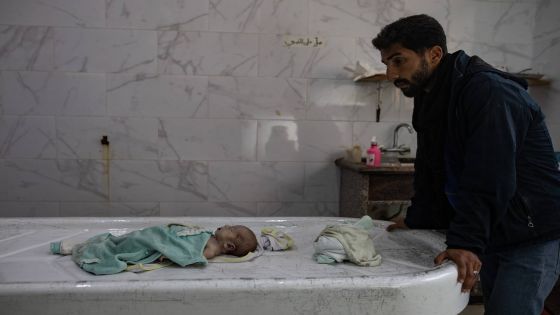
column 293, row 41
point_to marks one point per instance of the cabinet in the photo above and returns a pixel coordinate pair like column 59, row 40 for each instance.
column 382, row 192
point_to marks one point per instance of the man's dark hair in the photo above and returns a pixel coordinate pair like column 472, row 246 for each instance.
column 415, row 32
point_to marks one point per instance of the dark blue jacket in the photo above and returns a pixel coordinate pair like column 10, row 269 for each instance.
column 502, row 183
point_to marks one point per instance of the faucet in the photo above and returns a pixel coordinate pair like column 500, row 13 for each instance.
column 396, row 133
column 396, row 147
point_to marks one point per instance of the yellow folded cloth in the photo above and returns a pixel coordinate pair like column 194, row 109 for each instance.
column 275, row 240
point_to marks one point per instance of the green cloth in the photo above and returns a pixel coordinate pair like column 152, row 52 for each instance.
column 108, row 254
column 347, row 242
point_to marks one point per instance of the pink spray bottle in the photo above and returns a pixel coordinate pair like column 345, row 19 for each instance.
column 373, row 154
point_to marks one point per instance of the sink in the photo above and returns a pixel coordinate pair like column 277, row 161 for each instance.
column 401, row 149
column 393, row 160
column 408, row 159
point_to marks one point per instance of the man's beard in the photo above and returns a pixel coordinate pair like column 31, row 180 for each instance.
column 420, row 79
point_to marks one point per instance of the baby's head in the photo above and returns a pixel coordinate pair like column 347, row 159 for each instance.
column 237, row 240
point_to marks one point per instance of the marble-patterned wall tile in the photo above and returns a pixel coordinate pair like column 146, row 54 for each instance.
column 298, row 209
column 234, row 15
column 546, row 48
column 2, row 106
column 208, row 209
column 79, row 94
column 30, row 180
column 79, row 137
column 438, row 9
column 133, row 138
column 146, row 181
column 256, row 98
column 279, row 140
column 352, row 18
column 384, row 132
column 353, row 101
column 546, row 19
column 28, row 93
column 86, row 50
column 178, row 86
column 53, row 93
column 491, row 22
column 157, row 96
column 29, row 209
column 160, row 15
column 207, row 53
column 84, row 180
column 109, row 209
column 77, row 13
column 335, row 100
column 26, row 47
column 207, row 139
column 406, row 107
column 27, row 137
column 312, row 141
column 368, row 55
column 387, row 97
column 512, row 57
column 259, row 16
column 283, row 17
column 321, row 182
column 327, row 61
column 255, row 181
column 499, row 32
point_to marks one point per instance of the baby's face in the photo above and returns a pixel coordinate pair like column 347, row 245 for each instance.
column 241, row 236
column 231, row 233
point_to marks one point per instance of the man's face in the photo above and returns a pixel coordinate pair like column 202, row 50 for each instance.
column 408, row 70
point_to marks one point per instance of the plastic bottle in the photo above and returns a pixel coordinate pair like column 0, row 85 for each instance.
column 373, row 154
column 357, row 154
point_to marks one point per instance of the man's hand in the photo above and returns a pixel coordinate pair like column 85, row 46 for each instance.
column 468, row 265
column 398, row 224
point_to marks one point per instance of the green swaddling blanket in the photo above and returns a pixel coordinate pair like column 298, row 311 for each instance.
column 352, row 242
column 108, row 254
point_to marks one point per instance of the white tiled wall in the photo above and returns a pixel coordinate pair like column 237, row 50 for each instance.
column 206, row 109
column 546, row 45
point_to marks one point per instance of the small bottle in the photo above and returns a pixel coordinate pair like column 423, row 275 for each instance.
column 357, row 154
column 373, row 154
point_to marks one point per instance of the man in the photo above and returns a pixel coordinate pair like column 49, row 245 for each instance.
column 485, row 168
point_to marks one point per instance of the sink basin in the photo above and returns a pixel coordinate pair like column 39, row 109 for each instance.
column 396, row 149
column 393, row 160
column 398, row 162
column 407, row 159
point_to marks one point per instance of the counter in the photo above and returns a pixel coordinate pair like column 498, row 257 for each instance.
column 380, row 192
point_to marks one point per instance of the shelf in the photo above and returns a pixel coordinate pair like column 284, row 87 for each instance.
column 536, row 80
column 378, row 77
